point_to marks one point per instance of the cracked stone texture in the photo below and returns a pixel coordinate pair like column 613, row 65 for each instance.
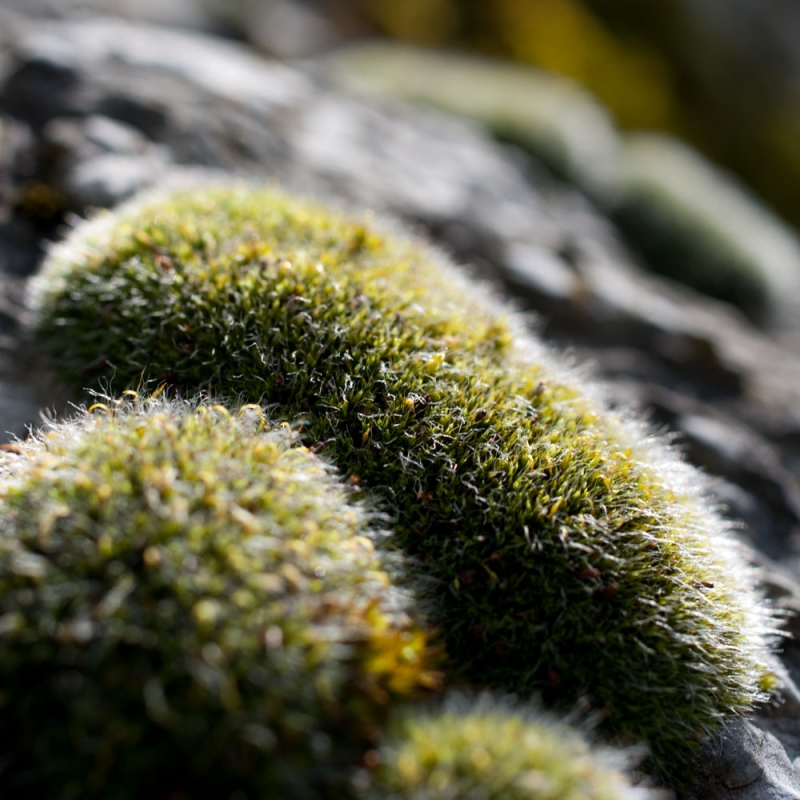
column 93, row 111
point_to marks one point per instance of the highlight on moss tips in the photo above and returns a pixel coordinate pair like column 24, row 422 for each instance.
column 565, row 551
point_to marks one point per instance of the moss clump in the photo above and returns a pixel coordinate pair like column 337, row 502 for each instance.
column 569, row 554
column 694, row 224
column 189, row 607
column 496, row 751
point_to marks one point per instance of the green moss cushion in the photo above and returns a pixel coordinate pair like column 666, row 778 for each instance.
column 189, row 608
column 564, row 551
column 493, row 750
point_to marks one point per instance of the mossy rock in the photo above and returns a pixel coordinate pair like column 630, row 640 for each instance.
column 190, row 606
column 548, row 115
column 695, row 224
column 495, row 750
column 563, row 550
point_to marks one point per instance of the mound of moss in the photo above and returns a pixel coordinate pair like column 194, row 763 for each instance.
column 493, row 750
column 189, row 607
column 563, row 551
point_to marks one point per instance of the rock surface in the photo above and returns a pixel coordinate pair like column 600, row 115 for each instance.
column 93, row 111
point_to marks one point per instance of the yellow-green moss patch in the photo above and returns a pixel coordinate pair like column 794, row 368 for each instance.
column 494, row 750
column 190, row 606
column 563, row 550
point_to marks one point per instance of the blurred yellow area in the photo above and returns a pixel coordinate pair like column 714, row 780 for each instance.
column 559, row 35
column 426, row 22
column 563, row 36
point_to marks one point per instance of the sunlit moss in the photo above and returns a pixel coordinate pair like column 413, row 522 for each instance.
column 496, row 751
column 551, row 117
column 190, row 605
column 563, row 550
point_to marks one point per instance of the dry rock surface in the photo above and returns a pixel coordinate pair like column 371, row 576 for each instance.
column 91, row 111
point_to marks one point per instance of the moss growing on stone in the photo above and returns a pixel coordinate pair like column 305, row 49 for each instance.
column 494, row 750
column 190, row 606
column 569, row 553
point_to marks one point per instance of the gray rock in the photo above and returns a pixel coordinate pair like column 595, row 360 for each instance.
column 17, row 158
column 26, row 392
column 20, row 251
column 736, row 453
column 224, row 69
column 21, row 407
column 540, row 274
column 289, row 28
column 98, row 162
column 107, row 180
column 179, row 13
column 115, row 136
column 283, row 28
column 42, row 78
column 746, row 764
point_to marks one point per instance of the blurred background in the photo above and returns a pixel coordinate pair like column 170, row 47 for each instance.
column 679, row 119
column 722, row 74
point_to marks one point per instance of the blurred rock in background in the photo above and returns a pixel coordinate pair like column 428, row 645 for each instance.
column 689, row 220
column 723, row 75
column 182, row 13
column 289, row 28
column 551, row 117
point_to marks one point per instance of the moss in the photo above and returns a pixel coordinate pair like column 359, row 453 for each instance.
column 564, row 551
column 696, row 225
column 495, row 750
column 190, row 606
